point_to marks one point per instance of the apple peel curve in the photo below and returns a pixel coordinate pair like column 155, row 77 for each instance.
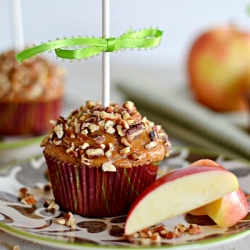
column 178, row 192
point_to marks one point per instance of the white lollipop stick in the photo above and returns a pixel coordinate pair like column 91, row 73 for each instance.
column 17, row 25
column 105, row 55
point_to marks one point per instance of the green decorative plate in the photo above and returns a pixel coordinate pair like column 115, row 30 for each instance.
column 36, row 224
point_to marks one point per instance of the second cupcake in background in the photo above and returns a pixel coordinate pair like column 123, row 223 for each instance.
column 31, row 94
column 101, row 158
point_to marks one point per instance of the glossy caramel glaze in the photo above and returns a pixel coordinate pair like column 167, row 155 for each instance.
column 116, row 135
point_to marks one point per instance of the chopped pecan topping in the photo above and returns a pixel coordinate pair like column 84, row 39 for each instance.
column 84, row 132
column 134, row 131
column 90, row 104
column 107, row 116
column 134, row 156
column 70, row 133
column 108, row 153
column 110, row 130
column 100, row 139
column 71, row 149
column 57, row 141
column 120, row 130
column 129, row 105
column 82, row 137
column 151, row 145
column 85, row 160
column 94, row 152
column 93, row 131
column 126, row 142
column 109, row 127
column 125, row 150
column 84, row 145
column 108, row 167
column 59, row 131
column 93, row 127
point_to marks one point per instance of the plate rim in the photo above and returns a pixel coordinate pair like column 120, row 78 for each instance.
column 19, row 143
column 75, row 246
column 32, row 236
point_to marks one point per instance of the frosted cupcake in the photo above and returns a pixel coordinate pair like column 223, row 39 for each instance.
column 31, row 94
column 100, row 159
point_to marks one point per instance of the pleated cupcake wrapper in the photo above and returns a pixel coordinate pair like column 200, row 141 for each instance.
column 92, row 192
column 28, row 118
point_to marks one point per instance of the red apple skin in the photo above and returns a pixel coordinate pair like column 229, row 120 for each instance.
column 218, row 66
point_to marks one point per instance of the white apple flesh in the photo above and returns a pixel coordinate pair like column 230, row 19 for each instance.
column 178, row 192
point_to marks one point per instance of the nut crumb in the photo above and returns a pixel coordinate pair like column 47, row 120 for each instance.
column 67, row 220
column 51, row 205
column 47, row 187
column 159, row 232
column 195, row 229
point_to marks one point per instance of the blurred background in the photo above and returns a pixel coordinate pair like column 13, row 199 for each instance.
column 180, row 20
column 161, row 69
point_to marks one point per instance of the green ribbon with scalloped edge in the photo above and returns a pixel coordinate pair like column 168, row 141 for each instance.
column 87, row 47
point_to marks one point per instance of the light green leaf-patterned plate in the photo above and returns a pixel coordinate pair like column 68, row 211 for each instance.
column 38, row 225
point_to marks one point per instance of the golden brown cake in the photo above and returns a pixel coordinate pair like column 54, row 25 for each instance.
column 31, row 94
column 100, row 159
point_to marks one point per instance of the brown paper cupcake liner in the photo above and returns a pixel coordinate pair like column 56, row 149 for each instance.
column 28, row 118
column 91, row 192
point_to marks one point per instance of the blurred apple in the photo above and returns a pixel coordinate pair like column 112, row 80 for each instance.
column 218, row 67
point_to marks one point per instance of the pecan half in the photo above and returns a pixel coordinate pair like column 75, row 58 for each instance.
column 134, row 131
column 94, row 152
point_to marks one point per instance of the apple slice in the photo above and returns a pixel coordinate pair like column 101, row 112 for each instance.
column 178, row 192
column 227, row 210
column 205, row 162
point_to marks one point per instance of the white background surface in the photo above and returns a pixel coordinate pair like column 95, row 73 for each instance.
column 180, row 20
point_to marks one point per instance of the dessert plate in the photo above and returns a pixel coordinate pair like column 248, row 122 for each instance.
column 38, row 225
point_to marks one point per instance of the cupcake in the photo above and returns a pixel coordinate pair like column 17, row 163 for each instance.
column 31, row 94
column 101, row 158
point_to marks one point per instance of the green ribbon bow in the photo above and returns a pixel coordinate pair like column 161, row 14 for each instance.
column 87, row 47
